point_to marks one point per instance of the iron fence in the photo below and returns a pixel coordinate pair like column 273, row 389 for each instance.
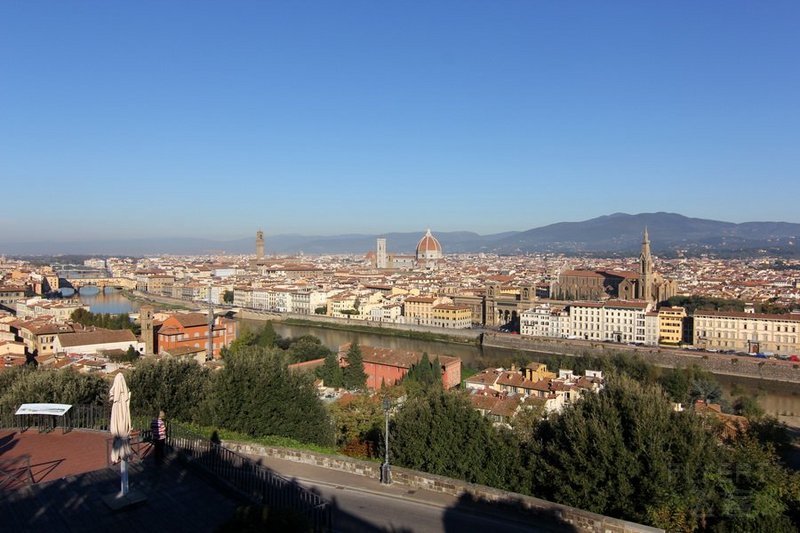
column 254, row 481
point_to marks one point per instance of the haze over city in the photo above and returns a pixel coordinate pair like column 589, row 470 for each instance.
column 206, row 119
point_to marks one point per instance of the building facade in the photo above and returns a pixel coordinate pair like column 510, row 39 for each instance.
column 748, row 332
column 670, row 325
column 190, row 330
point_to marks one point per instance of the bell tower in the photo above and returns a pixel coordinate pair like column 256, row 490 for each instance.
column 259, row 244
column 146, row 321
column 645, row 270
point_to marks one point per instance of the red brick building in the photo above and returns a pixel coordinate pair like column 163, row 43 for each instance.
column 190, row 330
column 384, row 365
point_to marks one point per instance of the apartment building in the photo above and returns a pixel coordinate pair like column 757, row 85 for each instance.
column 545, row 321
column 747, row 331
column 452, row 316
column 617, row 321
column 670, row 325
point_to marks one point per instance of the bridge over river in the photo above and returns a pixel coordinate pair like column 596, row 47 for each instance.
column 78, row 283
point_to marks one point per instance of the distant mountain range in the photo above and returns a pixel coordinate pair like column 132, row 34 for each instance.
column 617, row 233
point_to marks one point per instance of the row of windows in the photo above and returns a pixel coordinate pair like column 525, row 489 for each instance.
column 735, row 325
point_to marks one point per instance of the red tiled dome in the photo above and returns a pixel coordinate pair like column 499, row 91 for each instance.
column 428, row 244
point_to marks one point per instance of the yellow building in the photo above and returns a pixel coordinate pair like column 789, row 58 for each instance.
column 452, row 316
column 670, row 325
column 419, row 310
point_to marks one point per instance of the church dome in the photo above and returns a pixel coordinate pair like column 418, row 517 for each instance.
column 429, row 247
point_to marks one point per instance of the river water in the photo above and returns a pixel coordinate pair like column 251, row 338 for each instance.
column 779, row 399
column 106, row 301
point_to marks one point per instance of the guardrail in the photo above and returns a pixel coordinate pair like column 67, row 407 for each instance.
column 255, row 482
column 97, row 417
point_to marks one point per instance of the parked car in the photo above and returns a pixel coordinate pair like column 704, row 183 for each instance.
column 794, row 358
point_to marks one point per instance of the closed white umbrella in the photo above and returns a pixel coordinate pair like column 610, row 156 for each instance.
column 121, row 427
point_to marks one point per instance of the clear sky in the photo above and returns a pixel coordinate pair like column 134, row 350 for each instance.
column 214, row 119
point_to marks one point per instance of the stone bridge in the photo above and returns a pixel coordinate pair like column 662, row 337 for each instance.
column 100, row 283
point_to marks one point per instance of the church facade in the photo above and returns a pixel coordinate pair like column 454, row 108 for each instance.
column 646, row 285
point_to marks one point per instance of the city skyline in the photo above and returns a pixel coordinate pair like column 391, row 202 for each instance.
column 193, row 119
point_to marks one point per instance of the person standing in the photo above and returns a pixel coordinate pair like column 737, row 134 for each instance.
column 159, row 431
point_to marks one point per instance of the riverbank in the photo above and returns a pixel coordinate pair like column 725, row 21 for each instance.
column 405, row 331
column 165, row 302
column 765, row 370
column 718, row 364
column 428, row 336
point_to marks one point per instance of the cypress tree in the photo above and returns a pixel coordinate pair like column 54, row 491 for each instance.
column 331, row 372
column 436, row 367
column 353, row 374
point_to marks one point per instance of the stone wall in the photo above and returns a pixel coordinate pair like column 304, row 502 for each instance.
column 717, row 363
column 580, row 519
column 341, row 323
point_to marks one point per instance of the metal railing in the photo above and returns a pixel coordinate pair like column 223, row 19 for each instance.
column 254, row 481
column 95, row 417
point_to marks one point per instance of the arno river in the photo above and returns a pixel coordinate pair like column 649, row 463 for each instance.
column 781, row 399
column 775, row 398
column 105, row 301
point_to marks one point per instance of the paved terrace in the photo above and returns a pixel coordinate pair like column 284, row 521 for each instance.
column 71, row 476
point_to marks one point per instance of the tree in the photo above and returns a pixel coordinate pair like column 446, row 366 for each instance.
column 358, row 421
column 256, row 394
column 331, row 372
column 180, row 387
column 353, row 375
column 756, row 493
column 266, row 337
column 131, row 355
column 31, row 385
column 227, row 297
column 625, row 453
column 306, row 348
column 426, row 373
column 440, row 433
column 747, row 406
column 103, row 320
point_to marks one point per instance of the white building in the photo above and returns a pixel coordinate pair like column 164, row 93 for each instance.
column 616, row 321
column 545, row 321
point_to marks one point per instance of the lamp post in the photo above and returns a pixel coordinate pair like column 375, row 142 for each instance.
column 386, row 470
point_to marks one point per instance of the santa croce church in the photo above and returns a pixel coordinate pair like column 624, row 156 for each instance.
column 644, row 285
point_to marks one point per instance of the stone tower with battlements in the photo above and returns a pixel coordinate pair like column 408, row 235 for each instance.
column 259, row 244
column 146, row 321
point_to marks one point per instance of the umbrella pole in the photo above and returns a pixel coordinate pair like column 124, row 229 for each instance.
column 123, row 469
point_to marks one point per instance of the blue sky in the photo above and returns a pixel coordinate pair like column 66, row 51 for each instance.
column 213, row 119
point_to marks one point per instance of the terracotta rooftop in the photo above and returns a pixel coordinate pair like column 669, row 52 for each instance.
column 189, row 320
column 98, row 336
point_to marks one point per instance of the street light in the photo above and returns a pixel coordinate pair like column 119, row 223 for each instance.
column 386, row 470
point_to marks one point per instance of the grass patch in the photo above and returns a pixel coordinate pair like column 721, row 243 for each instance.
column 466, row 373
column 268, row 440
